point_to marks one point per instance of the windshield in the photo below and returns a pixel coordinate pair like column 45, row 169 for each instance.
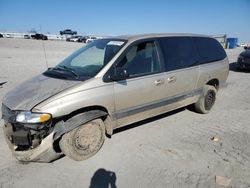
column 88, row 60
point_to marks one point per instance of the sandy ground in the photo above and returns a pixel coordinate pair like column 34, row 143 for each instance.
column 173, row 150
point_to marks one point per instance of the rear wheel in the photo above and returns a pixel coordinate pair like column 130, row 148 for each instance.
column 206, row 100
column 84, row 141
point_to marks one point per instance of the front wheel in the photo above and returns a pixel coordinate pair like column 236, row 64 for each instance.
column 206, row 100
column 83, row 142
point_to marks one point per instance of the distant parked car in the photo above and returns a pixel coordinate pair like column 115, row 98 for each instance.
column 38, row 36
column 26, row 36
column 243, row 45
column 243, row 61
column 8, row 36
column 90, row 39
column 83, row 39
column 73, row 38
column 68, row 32
column 1, row 36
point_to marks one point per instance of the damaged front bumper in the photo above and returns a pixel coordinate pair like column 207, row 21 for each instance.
column 29, row 142
column 43, row 153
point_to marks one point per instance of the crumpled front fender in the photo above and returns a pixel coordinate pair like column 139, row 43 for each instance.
column 63, row 127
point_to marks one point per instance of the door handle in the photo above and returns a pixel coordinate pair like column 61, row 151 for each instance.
column 172, row 79
column 158, row 82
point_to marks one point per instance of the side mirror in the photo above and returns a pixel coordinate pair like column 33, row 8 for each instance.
column 245, row 47
column 119, row 74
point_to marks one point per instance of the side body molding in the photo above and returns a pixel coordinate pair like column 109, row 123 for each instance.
column 63, row 127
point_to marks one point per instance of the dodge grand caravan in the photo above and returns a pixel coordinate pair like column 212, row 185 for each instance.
column 107, row 84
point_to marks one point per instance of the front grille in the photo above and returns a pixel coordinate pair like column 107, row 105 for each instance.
column 7, row 114
column 21, row 138
column 244, row 65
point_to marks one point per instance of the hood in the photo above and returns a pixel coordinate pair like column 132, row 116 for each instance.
column 246, row 53
column 33, row 91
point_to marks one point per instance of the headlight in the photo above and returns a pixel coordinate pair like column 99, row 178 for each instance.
column 29, row 117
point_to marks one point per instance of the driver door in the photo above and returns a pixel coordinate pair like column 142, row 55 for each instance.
column 135, row 97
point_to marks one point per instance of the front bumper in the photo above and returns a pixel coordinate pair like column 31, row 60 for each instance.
column 43, row 153
column 28, row 143
column 244, row 63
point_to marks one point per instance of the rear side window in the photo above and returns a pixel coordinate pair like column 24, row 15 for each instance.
column 178, row 52
column 209, row 49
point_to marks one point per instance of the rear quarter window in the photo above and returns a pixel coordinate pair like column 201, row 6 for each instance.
column 209, row 50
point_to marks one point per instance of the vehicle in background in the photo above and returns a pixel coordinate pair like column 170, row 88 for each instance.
column 68, row 32
column 8, row 36
column 107, row 84
column 38, row 36
column 83, row 39
column 243, row 61
column 244, row 45
column 91, row 39
column 27, row 37
column 1, row 36
column 73, row 38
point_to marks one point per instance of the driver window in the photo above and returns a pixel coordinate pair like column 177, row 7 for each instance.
column 141, row 60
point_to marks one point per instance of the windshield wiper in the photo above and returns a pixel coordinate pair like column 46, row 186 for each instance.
column 65, row 68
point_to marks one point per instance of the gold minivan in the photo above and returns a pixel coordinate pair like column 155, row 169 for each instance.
column 106, row 84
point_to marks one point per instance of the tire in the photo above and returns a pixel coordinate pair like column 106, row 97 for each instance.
column 206, row 100
column 84, row 141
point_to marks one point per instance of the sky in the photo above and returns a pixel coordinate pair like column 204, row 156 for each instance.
column 116, row 17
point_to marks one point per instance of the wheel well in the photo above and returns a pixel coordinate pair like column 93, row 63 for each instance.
column 106, row 120
column 213, row 82
column 81, row 110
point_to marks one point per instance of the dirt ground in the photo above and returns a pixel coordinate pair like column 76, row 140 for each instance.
column 173, row 150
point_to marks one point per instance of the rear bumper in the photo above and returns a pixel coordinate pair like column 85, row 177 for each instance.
column 42, row 153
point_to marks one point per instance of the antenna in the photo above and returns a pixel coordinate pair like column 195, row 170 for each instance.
column 45, row 56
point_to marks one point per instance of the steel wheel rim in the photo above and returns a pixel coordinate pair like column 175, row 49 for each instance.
column 86, row 143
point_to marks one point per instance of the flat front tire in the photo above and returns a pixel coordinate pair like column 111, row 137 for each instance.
column 206, row 100
column 84, row 141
